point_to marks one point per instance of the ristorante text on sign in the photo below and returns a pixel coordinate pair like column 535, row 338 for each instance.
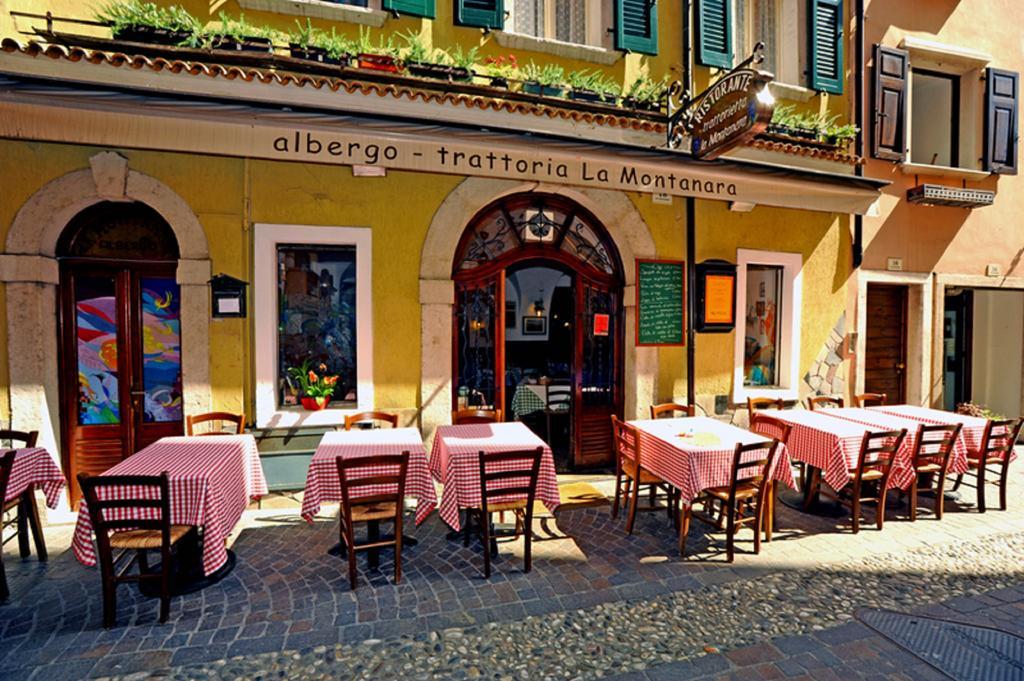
column 730, row 112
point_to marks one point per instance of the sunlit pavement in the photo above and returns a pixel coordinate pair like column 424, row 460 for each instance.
column 597, row 603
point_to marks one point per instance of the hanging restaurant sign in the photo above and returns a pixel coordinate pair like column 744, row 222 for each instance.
column 731, row 112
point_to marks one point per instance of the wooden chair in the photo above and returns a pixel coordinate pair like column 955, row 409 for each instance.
column 25, row 510
column 870, row 400
column 874, row 465
column 771, row 427
column 743, row 501
column 557, row 404
column 220, row 420
column 373, row 417
column 825, row 402
column 669, row 409
column 997, row 444
column 630, row 476
column 6, row 466
column 462, row 417
column 365, row 471
column 114, row 531
column 501, row 477
column 755, row 404
column 932, row 448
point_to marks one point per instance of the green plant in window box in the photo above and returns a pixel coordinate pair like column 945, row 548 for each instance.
column 377, row 56
column 547, row 80
column 315, row 390
column 645, row 94
column 145, row 22
column 592, row 86
column 462, row 62
column 313, row 44
column 502, row 69
column 241, row 36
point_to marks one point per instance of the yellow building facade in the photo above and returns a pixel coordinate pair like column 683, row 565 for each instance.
column 248, row 160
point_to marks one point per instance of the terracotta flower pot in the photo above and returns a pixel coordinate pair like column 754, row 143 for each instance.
column 315, row 403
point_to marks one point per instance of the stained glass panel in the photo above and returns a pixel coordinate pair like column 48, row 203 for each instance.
column 96, row 341
column 477, row 313
column 161, row 349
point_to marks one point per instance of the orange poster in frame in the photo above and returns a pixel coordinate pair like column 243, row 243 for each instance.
column 716, row 297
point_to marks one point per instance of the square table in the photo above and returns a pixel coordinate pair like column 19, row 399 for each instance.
column 702, row 458
column 832, row 444
column 454, row 460
column 903, row 466
column 33, row 468
column 212, row 480
column 323, row 484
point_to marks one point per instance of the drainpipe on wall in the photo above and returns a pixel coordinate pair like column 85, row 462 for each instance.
column 691, row 237
column 858, row 120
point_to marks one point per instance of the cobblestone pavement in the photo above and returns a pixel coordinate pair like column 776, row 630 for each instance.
column 597, row 603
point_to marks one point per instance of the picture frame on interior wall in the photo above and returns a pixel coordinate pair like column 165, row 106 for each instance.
column 267, row 239
column 535, row 326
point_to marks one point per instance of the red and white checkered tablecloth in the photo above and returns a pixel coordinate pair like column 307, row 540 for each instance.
column 903, row 468
column 212, row 480
column 322, row 483
column 971, row 433
column 454, row 461
column 694, row 463
column 831, row 444
column 35, row 466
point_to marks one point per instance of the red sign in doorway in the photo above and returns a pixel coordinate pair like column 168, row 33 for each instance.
column 601, row 324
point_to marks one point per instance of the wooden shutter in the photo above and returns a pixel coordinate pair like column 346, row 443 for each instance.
column 419, row 8
column 1001, row 132
column 714, row 33
column 636, row 26
column 482, row 13
column 889, row 119
column 826, row 50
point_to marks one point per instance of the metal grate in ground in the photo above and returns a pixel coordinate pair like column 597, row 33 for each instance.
column 962, row 651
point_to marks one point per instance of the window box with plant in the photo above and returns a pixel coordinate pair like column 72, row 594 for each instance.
column 501, row 70
column 312, row 44
column 546, row 81
column 144, row 22
column 788, row 123
column 591, row 86
column 645, row 94
column 380, row 56
column 237, row 35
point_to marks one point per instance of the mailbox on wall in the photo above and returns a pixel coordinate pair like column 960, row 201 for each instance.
column 716, row 297
column 227, row 296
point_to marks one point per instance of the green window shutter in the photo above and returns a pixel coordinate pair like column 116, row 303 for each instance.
column 1001, row 107
column 636, row 26
column 419, row 8
column 714, row 33
column 826, row 50
column 482, row 13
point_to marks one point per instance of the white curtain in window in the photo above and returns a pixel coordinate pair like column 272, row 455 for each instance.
column 570, row 21
column 528, row 17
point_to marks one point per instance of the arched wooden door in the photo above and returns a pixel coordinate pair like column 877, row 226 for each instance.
column 120, row 336
column 542, row 228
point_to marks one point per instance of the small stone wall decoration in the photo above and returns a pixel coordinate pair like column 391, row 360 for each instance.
column 827, row 375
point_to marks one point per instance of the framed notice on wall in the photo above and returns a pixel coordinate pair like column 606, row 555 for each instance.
column 660, row 302
column 716, row 297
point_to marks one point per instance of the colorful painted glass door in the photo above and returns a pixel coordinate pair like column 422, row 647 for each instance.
column 479, row 343
column 121, row 362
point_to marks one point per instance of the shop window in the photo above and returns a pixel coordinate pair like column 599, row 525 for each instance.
column 935, row 118
column 768, row 295
column 313, row 304
column 562, row 20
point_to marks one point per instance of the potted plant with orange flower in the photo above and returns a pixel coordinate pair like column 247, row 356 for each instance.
column 315, row 389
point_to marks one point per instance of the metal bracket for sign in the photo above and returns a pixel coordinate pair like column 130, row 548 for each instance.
column 681, row 104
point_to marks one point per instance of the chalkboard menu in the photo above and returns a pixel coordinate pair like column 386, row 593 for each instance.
column 660, row 302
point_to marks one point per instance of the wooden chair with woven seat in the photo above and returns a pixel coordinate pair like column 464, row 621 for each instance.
column 776, row 429
column 825, row 402
column 670, row 409
column 870, row 400
column 933, row 447
column 746, row 493
column 504, row 474
column 6, row 466
column 220, row 423
column 25, row 510
column 630, row 476
column 755, row 404
column 386, row 471
column 115, row 503
column 372, row 417
column 557, row 404
column 997, row 443
column 874, row 466
column 461, row 417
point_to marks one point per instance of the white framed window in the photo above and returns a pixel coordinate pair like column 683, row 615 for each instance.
column 768, row 304
column 781, row 26
column 569, row 21
column 312, row 301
